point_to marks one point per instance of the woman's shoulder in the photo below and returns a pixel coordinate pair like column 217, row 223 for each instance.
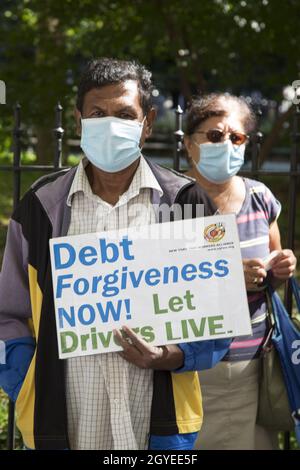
column 195, row 194
column 255, row 187
column 262, row 199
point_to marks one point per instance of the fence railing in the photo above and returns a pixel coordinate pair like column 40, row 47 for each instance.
column 255, row 172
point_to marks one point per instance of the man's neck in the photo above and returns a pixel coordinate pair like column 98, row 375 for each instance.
column 110, row 186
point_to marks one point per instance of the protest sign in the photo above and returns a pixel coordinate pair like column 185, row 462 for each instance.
column 172, row 283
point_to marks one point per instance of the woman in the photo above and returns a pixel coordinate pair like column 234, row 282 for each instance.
column 216, row 135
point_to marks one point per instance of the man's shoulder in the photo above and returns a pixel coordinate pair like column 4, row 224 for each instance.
column 59, row 177
column 169, row 172
column 46, row 192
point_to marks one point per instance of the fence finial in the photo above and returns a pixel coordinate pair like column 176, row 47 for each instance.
column 178, row 135
column 58, row 135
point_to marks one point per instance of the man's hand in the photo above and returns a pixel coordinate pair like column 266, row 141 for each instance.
column 284, row 265
column 140, row 353
column 254, row 272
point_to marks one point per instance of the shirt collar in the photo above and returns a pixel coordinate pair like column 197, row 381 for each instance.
column 143, row 178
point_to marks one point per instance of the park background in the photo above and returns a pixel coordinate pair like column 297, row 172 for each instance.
column 249, row 48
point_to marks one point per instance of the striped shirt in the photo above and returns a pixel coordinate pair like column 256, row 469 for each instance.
column 260, row 208
column 109, row 399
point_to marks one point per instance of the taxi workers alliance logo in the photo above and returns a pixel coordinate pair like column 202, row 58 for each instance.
column 214, row 232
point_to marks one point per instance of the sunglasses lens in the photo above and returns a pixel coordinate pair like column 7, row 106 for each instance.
column 215, row 135
column 237, row 139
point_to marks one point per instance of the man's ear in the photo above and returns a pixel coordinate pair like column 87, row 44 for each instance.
column 150, row 118
column 147, row 130
column 77, row 115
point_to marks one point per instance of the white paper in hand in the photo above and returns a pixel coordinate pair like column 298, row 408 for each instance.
column 268, row 259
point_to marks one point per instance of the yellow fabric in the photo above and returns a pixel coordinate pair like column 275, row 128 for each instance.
column 189, row 414
column 36, row 298
column 26, row 397
column 25, row 407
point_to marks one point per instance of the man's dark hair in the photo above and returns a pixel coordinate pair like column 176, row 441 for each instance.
column 108, row 71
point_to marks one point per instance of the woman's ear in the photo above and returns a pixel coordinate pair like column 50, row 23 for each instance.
column 77, row 115
column 187, row 143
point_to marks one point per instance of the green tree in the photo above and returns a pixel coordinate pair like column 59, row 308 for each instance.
column 191, row 46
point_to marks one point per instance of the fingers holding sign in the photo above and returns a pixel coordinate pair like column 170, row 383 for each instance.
column 136, row 350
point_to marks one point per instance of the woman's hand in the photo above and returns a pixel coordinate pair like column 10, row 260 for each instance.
column 254, row 272
column 284, row 265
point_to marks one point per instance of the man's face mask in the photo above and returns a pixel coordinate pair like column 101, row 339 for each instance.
column 110, row 143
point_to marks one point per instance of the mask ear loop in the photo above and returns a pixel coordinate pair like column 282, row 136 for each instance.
column 196, row 143
column 190, row 160
column 142, row 126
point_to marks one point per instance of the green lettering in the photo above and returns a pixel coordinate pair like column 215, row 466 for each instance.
column 170, row 332
column 63, row 339
column 213, row 326
column 157, row 309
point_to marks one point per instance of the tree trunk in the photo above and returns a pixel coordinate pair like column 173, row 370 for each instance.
column 44, row 146
column 273, row 136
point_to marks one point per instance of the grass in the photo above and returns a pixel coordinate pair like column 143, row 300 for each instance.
column 279, row 186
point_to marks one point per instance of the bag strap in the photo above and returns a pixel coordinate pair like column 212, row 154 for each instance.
column 296, row 291
column 276, row 305
column 268, row 345
column 270, row 310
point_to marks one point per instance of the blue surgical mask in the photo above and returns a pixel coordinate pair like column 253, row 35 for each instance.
column 110, row 143
column 219, row 162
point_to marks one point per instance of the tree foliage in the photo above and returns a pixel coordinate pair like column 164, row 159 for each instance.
column 191, row 45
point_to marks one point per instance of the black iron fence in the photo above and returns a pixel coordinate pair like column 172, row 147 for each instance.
column 254, row 172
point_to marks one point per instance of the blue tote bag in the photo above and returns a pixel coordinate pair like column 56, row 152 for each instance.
column 286, row 340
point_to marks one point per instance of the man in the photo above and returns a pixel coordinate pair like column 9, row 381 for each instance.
column 130, row 400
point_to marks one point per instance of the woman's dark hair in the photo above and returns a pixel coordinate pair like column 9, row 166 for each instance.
column 217, row 104
column 108, row 71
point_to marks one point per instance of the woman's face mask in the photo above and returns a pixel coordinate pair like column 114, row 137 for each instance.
column 111, row 144
column 219, row 162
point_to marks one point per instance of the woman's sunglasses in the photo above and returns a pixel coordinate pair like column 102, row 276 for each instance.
column 217, row 135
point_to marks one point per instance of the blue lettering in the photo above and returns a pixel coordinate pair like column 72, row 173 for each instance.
column 188, row 272
column 152, row 277
column 205, row 269
column 125, row 243
column 110, row 310
column 85, row 253
column 69, row 317
column 57, row 255
column 136, row 280
column 104, row 247
column 81, row 282
column 60, row 284
column 91, row 314
column 219, row 265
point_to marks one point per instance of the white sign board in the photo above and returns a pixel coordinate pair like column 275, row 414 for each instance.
column 172, row 283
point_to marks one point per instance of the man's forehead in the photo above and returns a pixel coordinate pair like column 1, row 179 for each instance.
column 124, row 91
